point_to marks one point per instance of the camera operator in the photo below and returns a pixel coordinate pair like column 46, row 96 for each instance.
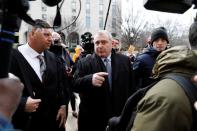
column 58, row 48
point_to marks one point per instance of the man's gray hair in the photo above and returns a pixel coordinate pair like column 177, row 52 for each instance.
column 39, row 24
column 104, row 32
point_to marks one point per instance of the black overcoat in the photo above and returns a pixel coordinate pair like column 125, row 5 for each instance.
column 98, row 104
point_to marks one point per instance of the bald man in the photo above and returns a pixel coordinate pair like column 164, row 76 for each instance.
column 10, row 94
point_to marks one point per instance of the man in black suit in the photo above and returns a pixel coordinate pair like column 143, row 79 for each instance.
column 42, row 107
column 104, row 82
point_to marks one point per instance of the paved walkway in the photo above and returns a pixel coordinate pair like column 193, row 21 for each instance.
column 71, row 124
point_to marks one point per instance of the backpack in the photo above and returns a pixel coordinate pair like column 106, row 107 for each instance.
column 124, row 122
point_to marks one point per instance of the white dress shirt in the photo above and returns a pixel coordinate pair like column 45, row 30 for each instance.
column 31, row 57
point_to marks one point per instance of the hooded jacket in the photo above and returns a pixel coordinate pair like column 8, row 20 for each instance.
column 165, row 107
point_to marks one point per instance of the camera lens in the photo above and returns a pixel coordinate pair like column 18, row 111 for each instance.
column 56, row 42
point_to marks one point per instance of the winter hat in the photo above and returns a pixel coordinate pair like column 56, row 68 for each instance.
column 193, row 35
column 159, row 33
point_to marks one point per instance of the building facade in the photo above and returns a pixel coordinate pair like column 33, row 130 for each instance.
column 91, row 18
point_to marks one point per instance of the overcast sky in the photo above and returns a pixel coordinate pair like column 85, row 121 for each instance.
column 185, row 19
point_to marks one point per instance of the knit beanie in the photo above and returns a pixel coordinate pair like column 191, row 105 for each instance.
column 159, row 33
column 193, row 35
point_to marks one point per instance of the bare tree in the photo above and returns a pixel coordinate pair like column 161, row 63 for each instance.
column 137, row 27
column 133, row 28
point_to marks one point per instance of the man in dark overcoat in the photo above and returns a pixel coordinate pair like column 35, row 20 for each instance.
column 104, row 82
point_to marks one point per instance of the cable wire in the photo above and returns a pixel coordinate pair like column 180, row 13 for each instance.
column 74, row 19
column 107, row 14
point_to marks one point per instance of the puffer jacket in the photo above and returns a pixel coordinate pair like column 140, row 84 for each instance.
column 142, row 67
column 165, row 107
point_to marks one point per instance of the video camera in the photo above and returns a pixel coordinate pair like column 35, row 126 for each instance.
column 172, row 6
column 86, row 37
column 57, row 48
column 87, row 42
column 56, row 42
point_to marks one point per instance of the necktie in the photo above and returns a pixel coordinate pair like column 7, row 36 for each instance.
column 109, row 71
column 42, row 65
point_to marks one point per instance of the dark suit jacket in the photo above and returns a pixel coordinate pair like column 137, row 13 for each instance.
column 50, row 91
column 98, row 103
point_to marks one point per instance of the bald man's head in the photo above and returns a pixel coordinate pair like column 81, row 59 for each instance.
column 56, row 38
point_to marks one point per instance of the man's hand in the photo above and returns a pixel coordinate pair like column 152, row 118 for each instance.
column 61, row 116
column 98, row 78
column 69, row 71
column 32, row 104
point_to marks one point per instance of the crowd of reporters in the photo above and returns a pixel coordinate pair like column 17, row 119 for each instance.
column 28, row 100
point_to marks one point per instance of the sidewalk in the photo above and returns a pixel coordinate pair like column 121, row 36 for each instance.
column 71, row 124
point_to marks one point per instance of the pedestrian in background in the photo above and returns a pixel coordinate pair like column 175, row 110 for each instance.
column 145, row 61
column 116, row 45
column 78, row 51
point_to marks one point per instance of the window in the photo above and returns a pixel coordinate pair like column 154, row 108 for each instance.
column 88, row 12
column 44, row 8
column 101, row 9
column 87, row 8
column 74, row 24
column 114, row 23
column 114, row 34
column 87, row 21
column 100, row 1
column 113, row 1
column 44, row 16
column 73, row 18
column 73, row 6
column 113, row 9
column 73, row 10
column 101, row 22
column 87, row 1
